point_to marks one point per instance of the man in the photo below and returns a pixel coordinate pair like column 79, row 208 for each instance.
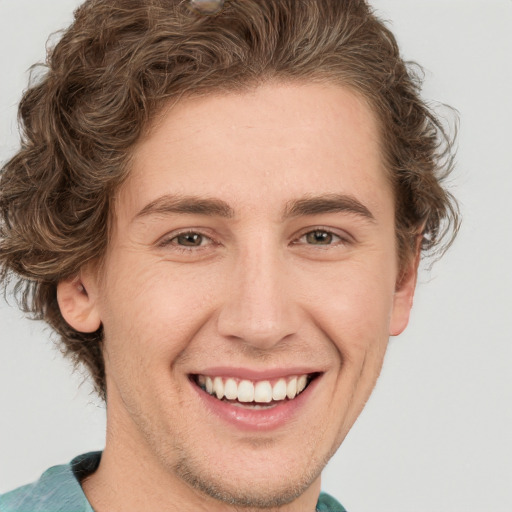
column 221, row 209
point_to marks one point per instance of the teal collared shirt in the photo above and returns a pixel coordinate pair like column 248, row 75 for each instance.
column 59, row 490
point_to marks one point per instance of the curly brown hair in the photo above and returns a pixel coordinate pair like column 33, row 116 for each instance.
column 121, row 60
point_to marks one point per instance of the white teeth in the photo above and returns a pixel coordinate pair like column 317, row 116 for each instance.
column 246, row 391
column 302, row 382
column 231, row 389
column 209, row 385
column 218, row 387
column 291, row 388
column 279, row 390
column 263, row 392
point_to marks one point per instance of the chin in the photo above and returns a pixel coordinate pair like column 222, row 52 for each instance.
column 256, row 487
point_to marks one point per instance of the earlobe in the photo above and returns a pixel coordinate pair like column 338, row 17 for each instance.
column 78, row 305
column 404, row 295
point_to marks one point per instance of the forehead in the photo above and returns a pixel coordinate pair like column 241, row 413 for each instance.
column 274, row 143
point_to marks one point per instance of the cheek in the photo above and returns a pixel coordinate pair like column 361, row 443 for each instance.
column 354, row 309
column 153, row 310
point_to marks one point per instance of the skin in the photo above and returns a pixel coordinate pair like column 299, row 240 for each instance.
column 257, row 293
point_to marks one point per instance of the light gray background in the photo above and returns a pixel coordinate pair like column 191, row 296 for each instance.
column 437, row 432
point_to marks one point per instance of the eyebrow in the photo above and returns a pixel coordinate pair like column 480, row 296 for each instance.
column 315, row 205
column 330, row 203
column 169, row 204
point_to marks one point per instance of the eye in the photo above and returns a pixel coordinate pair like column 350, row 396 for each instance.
column 189, row 239
column 186, row 240
column 320, row 237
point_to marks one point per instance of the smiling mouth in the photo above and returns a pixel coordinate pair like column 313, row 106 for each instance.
column 260, row 394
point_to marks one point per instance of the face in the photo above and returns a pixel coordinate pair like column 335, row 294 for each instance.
column 249, row 290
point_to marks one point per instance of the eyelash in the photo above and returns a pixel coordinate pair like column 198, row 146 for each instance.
column 341, row 240
column 169, row 241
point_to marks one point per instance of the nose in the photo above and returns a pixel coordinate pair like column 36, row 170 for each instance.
column 259, row 307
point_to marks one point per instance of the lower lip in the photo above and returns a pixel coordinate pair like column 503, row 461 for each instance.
column 256, row 419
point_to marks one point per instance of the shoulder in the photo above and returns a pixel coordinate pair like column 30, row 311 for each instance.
column 58, row 490
column 327, row 503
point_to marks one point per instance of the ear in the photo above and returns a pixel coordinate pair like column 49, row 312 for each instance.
column 404, row 294
column 77, row 300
